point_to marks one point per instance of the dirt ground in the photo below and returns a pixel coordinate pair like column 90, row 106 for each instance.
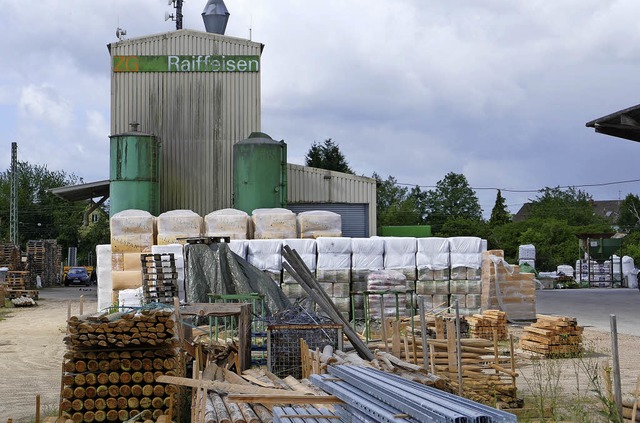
column 31, row 350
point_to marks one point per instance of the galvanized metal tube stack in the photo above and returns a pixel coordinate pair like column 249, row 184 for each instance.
column 371, row 394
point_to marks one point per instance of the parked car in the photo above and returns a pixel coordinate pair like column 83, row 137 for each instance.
column 77, row 276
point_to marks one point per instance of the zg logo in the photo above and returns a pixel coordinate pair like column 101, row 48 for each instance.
column 126, row 64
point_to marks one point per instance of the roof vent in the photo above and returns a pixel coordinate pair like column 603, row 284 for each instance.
column 215, row 17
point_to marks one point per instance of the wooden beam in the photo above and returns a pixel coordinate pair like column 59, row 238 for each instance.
column 285, row 398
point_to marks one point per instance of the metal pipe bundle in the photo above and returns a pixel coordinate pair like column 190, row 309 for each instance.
column 384, row 397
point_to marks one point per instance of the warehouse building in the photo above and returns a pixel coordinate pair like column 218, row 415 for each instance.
column 197, row 94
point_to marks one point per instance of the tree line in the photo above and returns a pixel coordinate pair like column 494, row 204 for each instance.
column 555, row 215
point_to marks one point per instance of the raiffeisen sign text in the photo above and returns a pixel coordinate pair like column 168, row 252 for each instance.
column 191, row 63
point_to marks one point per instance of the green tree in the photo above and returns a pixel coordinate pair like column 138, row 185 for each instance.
column 499, row 214
column 452, row 198
column 397, row 205
column 570, row 205
column 629, row 213
column 41, row 215
column 327, row 156
column 462, row 226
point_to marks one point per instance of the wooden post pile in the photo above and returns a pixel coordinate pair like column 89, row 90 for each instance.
column 487, row 376
column 222, row 396
column 555, row 336
column 316, row 362
column 483, row 325
column 112, row 365
column 403, row 338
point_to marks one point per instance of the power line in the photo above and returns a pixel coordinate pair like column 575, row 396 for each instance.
column 602, row 184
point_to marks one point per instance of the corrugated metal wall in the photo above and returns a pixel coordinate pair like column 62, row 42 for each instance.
column 198, row 116
column 311, row 185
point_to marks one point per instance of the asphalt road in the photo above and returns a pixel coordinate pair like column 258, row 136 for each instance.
column 593, row 307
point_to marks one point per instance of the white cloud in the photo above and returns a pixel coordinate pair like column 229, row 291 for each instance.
column 43, row 104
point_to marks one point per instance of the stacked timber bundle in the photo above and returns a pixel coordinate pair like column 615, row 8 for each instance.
column 486, row 324
column 112, row 365
column 555, row 336
column 10, row 256
column 159, row 278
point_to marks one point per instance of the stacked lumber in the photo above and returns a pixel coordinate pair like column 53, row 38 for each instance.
column 10, row 256
column 555, row 336
column 484, row 325
column 488, row 377
column 113, row 363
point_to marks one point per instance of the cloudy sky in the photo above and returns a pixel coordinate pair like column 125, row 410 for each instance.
column 498, row 90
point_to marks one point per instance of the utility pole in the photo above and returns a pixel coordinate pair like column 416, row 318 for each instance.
column 179, row 14
column 13, row 217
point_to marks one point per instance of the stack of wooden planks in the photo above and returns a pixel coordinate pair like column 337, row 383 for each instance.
column 484, row 325
column 113, row 363
column 159, row 278
column 553, row 336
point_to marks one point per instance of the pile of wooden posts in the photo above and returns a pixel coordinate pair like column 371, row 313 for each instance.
column 553, row 336
column 113, row 363
column 478, row 371
column 316, row 362
column 220, row 395
column 146, row 329
column 484, row 325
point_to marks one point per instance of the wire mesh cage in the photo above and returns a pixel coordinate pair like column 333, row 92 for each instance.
column 283, row 343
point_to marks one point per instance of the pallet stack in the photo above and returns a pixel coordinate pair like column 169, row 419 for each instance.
column 555, row 336
column 159, row 278
column 43, row 259
column 484, row 325
column 16, row 284
column 112, row 365
column 10, row 256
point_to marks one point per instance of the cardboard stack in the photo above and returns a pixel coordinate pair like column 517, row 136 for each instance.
column 555, row 336
column 505, row 288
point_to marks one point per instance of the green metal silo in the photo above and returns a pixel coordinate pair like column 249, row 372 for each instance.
column 134, row 180
column 259, row 173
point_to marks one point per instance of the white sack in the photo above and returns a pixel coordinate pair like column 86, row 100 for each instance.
column 317, row 223
column 103, row 273
column 228, row 222
column 334, row 245
column 432, row 253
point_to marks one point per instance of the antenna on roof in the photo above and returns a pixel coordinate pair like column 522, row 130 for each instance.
column 120, row 33
column 178, row 15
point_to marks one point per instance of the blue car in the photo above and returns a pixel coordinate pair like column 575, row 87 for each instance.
column 77, row 276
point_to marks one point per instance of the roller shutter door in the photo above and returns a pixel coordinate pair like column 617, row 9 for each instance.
column 355, row 217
